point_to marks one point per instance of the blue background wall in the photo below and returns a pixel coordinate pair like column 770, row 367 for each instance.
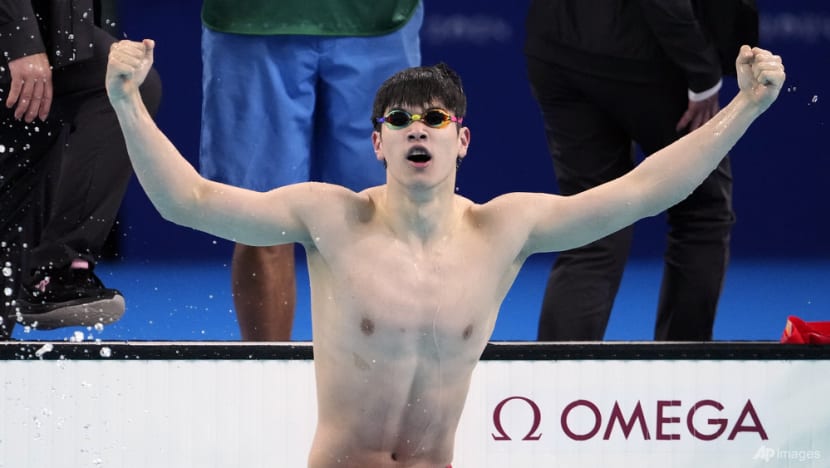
column 781, row 166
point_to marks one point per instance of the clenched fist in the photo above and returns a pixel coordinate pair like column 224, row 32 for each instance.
column 760, row 75
column 129, row 63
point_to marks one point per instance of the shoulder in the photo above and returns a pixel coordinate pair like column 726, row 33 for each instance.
column 521, row 212
column 322, row 194
column 503, row 210
column 323, row 200
column 514, row 203
column 509, row 221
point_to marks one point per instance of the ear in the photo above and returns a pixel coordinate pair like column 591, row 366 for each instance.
column 377, row 145
column 463, row 142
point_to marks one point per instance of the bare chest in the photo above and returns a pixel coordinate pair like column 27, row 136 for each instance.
column 388, row 292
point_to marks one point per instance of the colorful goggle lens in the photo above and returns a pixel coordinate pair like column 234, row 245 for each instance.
column 435, row 118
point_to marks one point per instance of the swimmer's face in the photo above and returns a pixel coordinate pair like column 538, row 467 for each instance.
column 420, row 140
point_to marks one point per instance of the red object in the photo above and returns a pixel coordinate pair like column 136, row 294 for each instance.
column 798, row 331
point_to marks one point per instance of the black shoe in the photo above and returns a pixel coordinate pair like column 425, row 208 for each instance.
column 74, row 297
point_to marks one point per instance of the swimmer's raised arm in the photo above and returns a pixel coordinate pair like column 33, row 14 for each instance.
column 664, row 178
column 177, row 191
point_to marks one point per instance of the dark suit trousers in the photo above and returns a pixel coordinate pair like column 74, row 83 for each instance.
column 591, row 125
column 62, row 181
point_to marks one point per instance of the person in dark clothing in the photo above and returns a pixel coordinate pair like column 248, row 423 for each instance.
column 641, row 72
column 64, row 167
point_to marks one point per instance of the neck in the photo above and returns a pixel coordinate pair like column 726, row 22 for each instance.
column 420, row 215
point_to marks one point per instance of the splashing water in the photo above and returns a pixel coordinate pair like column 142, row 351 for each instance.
column 44, row 349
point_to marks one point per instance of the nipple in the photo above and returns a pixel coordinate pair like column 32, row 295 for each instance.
column 367, row 326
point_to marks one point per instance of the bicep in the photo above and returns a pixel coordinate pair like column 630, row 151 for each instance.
column 564, row 222
column 249, row 217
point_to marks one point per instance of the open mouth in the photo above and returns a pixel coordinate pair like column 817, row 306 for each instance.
column 419, row 155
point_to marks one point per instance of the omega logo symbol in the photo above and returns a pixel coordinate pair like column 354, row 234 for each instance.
column 537, row 419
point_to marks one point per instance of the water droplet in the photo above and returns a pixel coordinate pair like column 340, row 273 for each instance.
column 106, row 352
column 44, row 349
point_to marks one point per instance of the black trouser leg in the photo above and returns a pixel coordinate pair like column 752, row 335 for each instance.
column 29, row 168
column 95, row 173
column 581, row 289
column 696, row 259
column 95, row 167
column 588, row 148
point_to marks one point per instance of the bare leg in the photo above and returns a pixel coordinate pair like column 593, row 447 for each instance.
column 264, row 291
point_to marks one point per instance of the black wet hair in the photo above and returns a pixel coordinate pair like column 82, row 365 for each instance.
column 421, row 86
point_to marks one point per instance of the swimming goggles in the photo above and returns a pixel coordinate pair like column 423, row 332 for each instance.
column 435, row 118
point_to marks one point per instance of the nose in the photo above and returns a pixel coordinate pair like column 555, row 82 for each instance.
column 416, row 132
